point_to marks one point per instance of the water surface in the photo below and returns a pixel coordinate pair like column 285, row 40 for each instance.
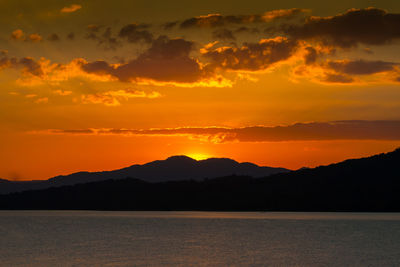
column 98, row 238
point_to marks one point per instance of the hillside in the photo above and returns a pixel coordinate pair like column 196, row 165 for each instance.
column 172, row 169
column 367, row 184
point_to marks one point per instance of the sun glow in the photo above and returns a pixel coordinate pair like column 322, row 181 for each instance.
column 198, row 156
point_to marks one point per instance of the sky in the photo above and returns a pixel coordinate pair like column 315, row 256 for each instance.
column 100, row 85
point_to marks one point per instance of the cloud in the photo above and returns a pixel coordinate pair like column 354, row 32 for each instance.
column 42, row 100
column 361, row 67
column 134, row 33
column 337, row 78
column 114, row 98
column 71, row 8
column 30, row 66
column 166, row 61
column 218, row 20
column 35, row 37
column 71, row 36
column 369, row 26
column 317, row 131
column 251, row 56
column 36, row 72
column 53, row 37
column 105, row 39
column 170, row 25
column 283, row 13
column 245, row 29
column 346, row 71
column 18, row 34
column 223, row 34
column 311, row 55
column 62, row 92
column 31, row 95
column 27, row 65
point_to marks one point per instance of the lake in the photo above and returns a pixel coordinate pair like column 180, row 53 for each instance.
column 113, row 238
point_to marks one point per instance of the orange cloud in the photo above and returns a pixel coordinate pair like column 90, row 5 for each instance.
column 283, row 13
column 71, row 8
column 336, row 130
column 42, row 100
column 34, row 37
column 62, row 92
column 18, row 34
column 218, row 20
column 113, row 98
column 30, row 95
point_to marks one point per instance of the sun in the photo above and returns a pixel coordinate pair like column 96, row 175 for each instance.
column 198, row 156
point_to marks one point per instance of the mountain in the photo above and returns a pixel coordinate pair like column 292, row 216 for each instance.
column 173, row 168
column 366, row 184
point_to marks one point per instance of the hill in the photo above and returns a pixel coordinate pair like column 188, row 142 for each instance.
column 172, row 169
column 367, row 184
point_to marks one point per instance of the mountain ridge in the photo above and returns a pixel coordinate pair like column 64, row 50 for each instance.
column 173, row 168
column 369, row 184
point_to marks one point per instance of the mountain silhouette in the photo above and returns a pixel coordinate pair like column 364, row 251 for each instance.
column 173, row 168
column 369, row 184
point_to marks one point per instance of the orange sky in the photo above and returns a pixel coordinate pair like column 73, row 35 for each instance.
column 90, row 86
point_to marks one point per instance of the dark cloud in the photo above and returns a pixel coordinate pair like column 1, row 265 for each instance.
column 92, row 31
column 167, row 60
column 135, row 33
column 94, row 27
column 337, row 130
column 104, row 37
column 311, row 55
column 370, row 26
column 223, row 34
column 337, row 78
column 31, row 66
column 99, row 67
column 53, row 37
column 251, row 56
column 245, row 29
column 108, row 40
column 361, row 67
column 27, row 64
column 170, row 25
column 71, row 36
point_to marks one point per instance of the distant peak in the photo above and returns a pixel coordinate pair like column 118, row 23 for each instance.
column 180, row 158
column 219, row 160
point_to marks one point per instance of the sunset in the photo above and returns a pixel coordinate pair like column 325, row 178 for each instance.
column 166, row 91
column 84, row 85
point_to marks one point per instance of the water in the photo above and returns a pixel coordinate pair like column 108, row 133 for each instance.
column 90, row 238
